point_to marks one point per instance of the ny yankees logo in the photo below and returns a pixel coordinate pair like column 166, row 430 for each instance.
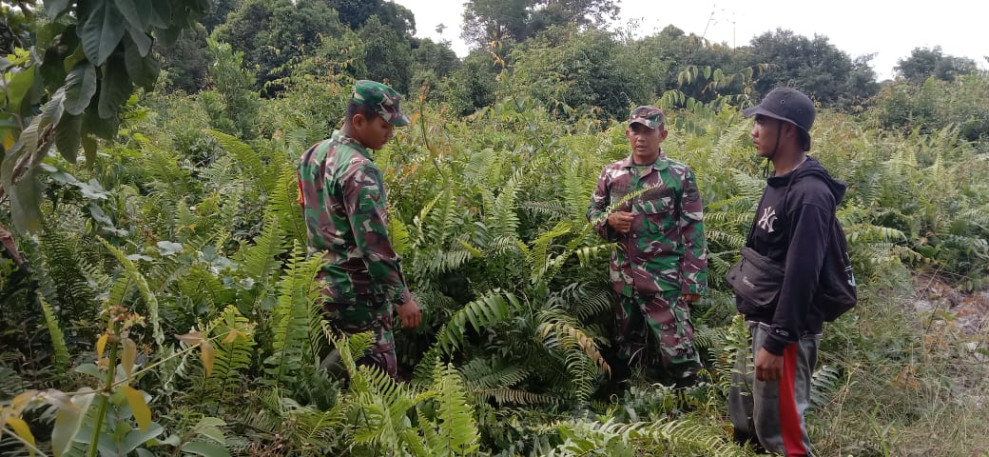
column 768, row 219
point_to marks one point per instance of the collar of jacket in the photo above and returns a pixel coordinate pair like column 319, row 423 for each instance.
column 661, row 162
column 343, row 138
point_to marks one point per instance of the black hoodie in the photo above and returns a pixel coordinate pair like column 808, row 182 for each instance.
column 793, row 225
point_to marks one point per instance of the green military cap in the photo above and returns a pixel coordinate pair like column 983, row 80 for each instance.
column 647, row 115
column 383, row 98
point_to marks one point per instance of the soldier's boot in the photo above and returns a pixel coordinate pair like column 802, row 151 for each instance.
column 685, row 374
column 333, row 365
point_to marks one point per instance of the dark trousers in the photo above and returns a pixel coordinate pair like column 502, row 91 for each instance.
column 773, row 411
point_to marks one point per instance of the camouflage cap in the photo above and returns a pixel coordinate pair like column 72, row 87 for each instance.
column 383, row 98
column 647, row 115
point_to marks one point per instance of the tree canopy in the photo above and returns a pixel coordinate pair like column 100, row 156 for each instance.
column 925, row 63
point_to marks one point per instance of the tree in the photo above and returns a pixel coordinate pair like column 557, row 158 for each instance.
column 433, row 56
column 924, row 63
column 66, row 89
column 272, row 33
column 389, row 56
column 498, row 20
column 186, row 60
column 473, row 85
column 355, row 13
column 432, row 62
column 232, row 103
column 581, row 69
column 679, row 59
column 861, row 84
column 494, row 20
column 218, row 13
column 549, row 13
column 814, row 66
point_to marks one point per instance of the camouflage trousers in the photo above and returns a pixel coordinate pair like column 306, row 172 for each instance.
column 645, row 320
column 353, row 318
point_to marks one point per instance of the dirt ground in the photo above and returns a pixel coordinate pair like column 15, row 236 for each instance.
column 970, row 310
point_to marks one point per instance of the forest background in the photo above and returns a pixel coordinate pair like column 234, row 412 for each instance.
column 157, row 298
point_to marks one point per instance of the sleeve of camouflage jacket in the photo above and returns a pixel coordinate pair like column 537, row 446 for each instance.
column 597, row 211
column 693, row 265
column 364, row 201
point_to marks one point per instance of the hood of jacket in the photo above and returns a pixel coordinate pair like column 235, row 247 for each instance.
column 811, row 169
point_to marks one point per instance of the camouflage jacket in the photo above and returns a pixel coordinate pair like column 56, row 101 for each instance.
column 665, row 250
column 343, row 199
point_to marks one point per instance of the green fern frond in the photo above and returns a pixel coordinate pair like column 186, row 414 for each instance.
column 135, row 276
column 483, row 373
column 501, row 216
column 250, row 161
column 316, row 431
column 590, row 303
column 587, row 254
column 492, row 308
column 58, row 338
column 382, row 404
column 873, row 233
column 825, row 381
column 234, row 351
column 284, row 205
column 691, row 437
column 422, row 375
column 549, row 210
column 508, row 396
column 560, row 332
column 119, row 291
column 398, row 234
column 291, row 318
column 540, row 257
column 11, row 383
column 455, row 425
column 62, row 264
column 261, row 259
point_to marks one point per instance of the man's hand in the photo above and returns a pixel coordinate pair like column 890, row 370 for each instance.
column 768, row 366
column 691, row 298
column 410, row 314
column 621, row 221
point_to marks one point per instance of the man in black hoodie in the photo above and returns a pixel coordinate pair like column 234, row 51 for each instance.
column 792, row 228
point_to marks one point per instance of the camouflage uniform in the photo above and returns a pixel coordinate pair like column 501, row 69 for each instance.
column 662, row 257
column 343, row 199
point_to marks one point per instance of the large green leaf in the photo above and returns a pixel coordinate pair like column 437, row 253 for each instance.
column 142, row 39
column 25, row 202
column 68, row 135
column 55, row 107
column 161, row 14
column 115, row 89
column 143, row 70
column 89, row 147
column 18, row 88
column 93, row 124
column 137, row 12
column 135, row 438
column 205, row 449
column 69, row 420
column 80, row 86
column 24, row 206
column 55, row 7
column 102, row 31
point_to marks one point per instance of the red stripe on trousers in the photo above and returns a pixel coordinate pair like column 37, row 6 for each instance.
column 790, row 427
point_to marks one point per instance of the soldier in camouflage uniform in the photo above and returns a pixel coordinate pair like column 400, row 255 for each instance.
column 343, row 198
column 650, row 206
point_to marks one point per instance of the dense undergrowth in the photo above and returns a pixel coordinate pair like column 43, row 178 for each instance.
column 178, row 257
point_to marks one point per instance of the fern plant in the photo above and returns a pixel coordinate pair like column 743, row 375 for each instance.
column 292, row 318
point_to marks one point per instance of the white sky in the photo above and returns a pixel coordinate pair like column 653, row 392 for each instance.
column 888, row 29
